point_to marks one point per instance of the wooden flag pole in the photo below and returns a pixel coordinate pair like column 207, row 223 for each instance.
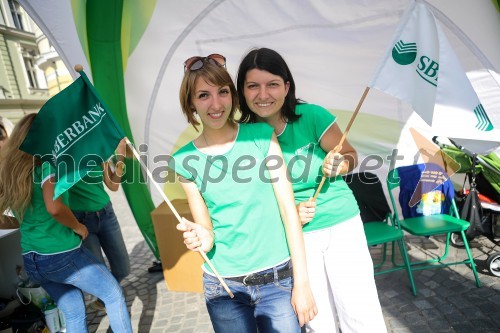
column 338, row 148
column 78, row 68
column 203, row 254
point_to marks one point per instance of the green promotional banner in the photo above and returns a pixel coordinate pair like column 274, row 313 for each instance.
column 75, row 132
column 104, row 39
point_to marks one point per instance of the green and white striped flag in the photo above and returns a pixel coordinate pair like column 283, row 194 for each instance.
column 75, row 132
column 421, row 68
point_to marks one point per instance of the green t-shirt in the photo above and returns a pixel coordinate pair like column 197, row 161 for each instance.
column 304, row 157
column 89, row 194
column 249, row 232
column 39, row 231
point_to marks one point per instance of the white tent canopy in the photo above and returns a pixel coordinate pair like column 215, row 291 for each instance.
column 331, row 46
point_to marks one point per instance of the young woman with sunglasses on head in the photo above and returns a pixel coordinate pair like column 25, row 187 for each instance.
column 338, row 260
column 243, row 208
column 51, row 238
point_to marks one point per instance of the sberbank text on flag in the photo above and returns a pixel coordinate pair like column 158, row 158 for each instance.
column 421, row 68
column 75, row 132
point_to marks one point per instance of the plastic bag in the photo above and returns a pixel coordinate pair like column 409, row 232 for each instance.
column 36, row 295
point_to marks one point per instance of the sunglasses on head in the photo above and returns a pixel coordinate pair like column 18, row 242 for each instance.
column 195, row 63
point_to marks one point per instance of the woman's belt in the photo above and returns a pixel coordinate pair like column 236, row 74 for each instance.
column 263, row 278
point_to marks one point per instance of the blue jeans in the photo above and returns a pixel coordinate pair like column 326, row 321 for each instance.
column 64, row 275
column 263, row 308
column 105, row 233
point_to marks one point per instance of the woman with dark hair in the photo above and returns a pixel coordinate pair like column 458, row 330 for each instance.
column 342, row 281
column 246, row 222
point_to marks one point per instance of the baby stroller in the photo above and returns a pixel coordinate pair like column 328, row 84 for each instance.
column 479, row 202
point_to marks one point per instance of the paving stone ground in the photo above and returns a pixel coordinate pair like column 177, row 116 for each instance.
column 447, row 301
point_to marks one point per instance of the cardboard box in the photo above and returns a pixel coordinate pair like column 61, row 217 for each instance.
column 181, row 267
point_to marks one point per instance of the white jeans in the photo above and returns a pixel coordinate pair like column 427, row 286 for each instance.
column 341, row 277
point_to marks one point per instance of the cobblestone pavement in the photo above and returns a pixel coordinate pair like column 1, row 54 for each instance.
column 447, row 301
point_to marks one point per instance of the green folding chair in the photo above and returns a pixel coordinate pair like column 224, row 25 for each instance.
column 430, row 225
column 379, row 227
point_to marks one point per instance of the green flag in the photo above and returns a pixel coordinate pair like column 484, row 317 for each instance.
column 75, row 132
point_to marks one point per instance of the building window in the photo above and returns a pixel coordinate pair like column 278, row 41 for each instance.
column 29, row 64
column 17, row 15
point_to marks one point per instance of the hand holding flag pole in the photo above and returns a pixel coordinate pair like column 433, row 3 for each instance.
column 338, row 148
column 203, row 254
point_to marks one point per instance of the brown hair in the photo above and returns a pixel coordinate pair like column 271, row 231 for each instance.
column 212, row 74
column 16, row 170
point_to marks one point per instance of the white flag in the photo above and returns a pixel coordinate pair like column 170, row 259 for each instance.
column 421, row 69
